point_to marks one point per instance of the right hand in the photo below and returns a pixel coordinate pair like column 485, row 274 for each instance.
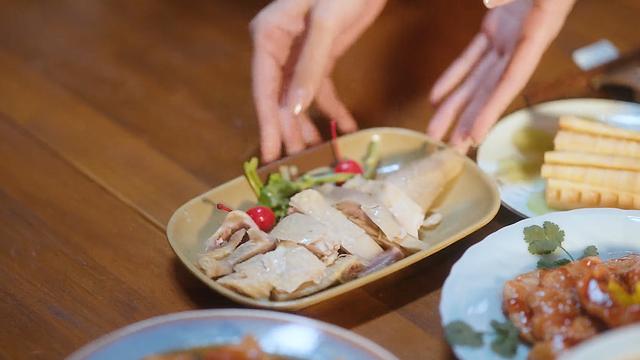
column 296, row 44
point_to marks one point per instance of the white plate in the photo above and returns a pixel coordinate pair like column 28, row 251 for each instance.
column 499, row 156
column 618, row 344
column 473, row 289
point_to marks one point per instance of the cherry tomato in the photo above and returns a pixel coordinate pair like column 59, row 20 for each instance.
column 263, row 217
column 348, row 166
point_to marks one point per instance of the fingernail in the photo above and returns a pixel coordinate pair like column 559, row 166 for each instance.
column 297, row 101
column 495, row 3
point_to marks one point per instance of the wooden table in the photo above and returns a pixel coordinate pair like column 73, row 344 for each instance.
column 114, row 113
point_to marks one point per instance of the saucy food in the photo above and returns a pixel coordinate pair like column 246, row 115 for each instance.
column 557, row 308
column 329, row 227
column 248, row 349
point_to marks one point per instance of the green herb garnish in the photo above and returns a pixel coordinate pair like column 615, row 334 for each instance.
column 460, row 333
column 505, row 341
column 278, row 190
column 372, row 158
column 544, row 240
column 551, row 264
column 590, row 250
column 547, row 239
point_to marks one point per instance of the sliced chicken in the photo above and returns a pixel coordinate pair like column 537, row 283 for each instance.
column 345, row 268
column 234, row 221
column 412, row 244
column 352, row 238
column 309, row 232
column 406, row 211
column 283, row 269
column 544, row 306
column 384, row 259
column 228, row 247
column 379, row 214
column 423, row 180
column 259, row 242
column 356, row 215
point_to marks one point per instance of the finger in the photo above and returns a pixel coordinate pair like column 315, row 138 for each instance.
column 459, row 68
column 447, row 112
column 273, row 31
column 495, row 3
column 314, row 57
column 266, row 85
column 461, row 133
column 328, row 102
column 525, row 58
column 345, row 39
column 327, row 17
column 310, row 133
column 291, row 131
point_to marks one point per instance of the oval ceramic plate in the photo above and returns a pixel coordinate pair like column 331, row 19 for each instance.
column 618, row 344
column 513, row 151
column 278, row 334
column 473, row 289
column 470, row 202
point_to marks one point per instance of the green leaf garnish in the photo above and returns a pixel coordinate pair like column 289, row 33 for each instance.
column 279, row 188
column 551, row 264
column 543, row 240
column 460, row 333
column 546, row 239
column 506, row 341
column 590, row 250
column 251, row 173
column 372, row 158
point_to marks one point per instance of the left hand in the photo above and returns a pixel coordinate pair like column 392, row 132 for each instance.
column 476, row 89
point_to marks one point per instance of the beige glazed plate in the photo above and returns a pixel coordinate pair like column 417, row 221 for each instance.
column 471, row 201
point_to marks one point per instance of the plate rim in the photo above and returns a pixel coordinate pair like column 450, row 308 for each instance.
column 110, row 338
column 340, row 289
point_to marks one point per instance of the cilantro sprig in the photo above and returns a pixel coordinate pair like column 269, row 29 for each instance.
column 505, row 336
column 546, row 239
column 276, row 193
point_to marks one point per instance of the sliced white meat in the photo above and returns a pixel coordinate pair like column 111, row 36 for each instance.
column 229, row 246
column 383, row 260
column 406, row 211
column 413, row 244
column 259, row 242
column 371, row 206
column 309, row 232
column 345, row 268
column 351, row 237
column 234, row 221
column 284, row 269
column 424, row 179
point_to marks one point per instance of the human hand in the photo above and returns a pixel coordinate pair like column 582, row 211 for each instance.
column 476, row 89
column 296, row 43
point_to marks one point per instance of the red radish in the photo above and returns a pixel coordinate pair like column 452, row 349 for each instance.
column 263, row 217
column 348, row 166
column 342, row 165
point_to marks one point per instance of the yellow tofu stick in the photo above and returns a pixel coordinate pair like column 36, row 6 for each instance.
column 577, row 124
column 619, row 180
column 595, row 160
column 564, row 195
column 572, row 141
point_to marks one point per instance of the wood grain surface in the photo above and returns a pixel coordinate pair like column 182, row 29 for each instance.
column 114, row 113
